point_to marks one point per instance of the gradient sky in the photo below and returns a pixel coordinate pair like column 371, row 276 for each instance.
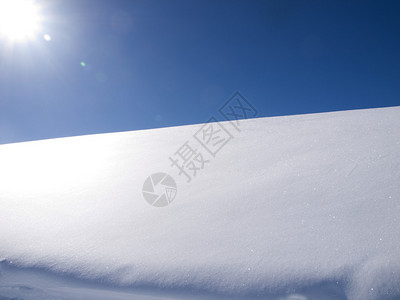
column 152, row 64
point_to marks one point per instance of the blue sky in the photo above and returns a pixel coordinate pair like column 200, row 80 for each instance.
column 160, row 63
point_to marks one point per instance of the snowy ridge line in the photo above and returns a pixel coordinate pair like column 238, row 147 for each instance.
column 301, row 205
column 303, row 117
column 46, row 283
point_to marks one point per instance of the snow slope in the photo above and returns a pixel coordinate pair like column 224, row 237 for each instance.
column 298, row 207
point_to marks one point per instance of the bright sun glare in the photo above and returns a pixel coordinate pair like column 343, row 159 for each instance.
column 19, row 19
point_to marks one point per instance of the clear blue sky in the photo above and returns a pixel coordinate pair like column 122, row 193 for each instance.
column 164, row 63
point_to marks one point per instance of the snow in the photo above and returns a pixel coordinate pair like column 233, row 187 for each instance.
column 296, row 207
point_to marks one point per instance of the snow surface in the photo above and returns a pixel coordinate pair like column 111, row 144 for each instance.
column 297, row 207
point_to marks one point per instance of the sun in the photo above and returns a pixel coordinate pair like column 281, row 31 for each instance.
column 19, row 19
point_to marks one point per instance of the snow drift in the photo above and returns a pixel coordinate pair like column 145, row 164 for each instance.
column 298, row 207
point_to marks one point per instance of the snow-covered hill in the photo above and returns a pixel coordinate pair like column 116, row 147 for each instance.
column 298, row 207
